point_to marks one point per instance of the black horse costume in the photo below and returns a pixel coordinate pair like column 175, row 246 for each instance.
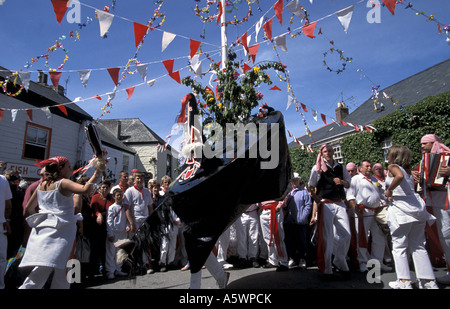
column 214, row 194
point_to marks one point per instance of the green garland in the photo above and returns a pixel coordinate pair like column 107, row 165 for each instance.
column 236, row 95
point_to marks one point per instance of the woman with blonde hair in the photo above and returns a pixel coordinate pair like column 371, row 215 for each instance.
column 54, row 227
column 407, row 216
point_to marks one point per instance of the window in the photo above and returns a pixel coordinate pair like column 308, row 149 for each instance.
column 385, row 145
column 169, row 166
column 37, row 142
column 125, row 163
column 337, row 153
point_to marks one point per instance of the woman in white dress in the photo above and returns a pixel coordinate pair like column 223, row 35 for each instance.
column 407, row 216
column 54, row 227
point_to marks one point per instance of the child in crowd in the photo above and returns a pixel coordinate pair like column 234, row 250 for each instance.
column 117, row 229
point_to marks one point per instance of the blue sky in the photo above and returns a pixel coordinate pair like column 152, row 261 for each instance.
column 398, row 46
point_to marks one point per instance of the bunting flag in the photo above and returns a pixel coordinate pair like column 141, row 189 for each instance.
column 60, row 8
column 176, row 76
column 253, row 50
column 54, row 77
column 140, row 31
column 194, row 45
column 268, row 28
column 258, row 27
column 105, row 20
column 390, row 4
column 84, row 76
column 2, row 112
column 151, row 82
column 63, row 109
column 97, row 97
column 196, row 65
column 323, row 118
column 29, row 112
column 275, row 88
column 168, row 64
column 246, row 67
column 130, row 91
column 244, row 41
column 219, row 16
column 281, row 42
column 142, row 69
column 295, row 8
column 308, row 30
column 290, row 100
column 114, row 73
column 14, row 114
column 167, row 38
column 314, row 114
column 304, row 107
column 47, row 112
column 25, row 78
column 345, row 17
column 278, row 8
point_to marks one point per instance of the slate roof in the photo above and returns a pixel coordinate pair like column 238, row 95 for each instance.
column 109, row 139
column 430, row 82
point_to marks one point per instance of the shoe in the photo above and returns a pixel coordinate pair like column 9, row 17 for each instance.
column 150, row 271
column 428, row 285
column 269, row 265
column 400, row 285
column 186, row 267
column 292, row 263
column 444, row 279
column 227, row 266
column 282, row 268
column 120, row 273
column 222, row 283
column 385, row 268
column 110, row 276
column 255, row 264
column 302, row 264
column 163, row 268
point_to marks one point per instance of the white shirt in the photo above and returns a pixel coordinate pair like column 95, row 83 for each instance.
column 315, row 175
column 364, row 191
column 5, row 194
column 116, row 220
column 138, row 202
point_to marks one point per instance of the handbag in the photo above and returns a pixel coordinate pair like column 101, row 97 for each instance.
column 83, row 249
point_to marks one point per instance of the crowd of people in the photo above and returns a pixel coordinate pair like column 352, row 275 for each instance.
column 339, row 219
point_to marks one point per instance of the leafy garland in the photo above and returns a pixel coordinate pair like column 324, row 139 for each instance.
column 344, row 59
column 235, row 95
column 3, row 85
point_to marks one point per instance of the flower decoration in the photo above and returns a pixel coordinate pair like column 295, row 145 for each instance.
column 344, row 59
column 236, row 95
column 3, row 85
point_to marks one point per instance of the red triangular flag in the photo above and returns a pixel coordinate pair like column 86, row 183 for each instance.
column 253, row 50
column 246, row 67
column 140, row 31
column 60, row 8
column 275, row 88
column 390, row 4
column 268, row 28
column 63, row 109
column 97, row 97
column 343, row 123
column 30, row 113
column 278, row 7
column 244, row 41
column 176, row 76
column 130, row 91
column 114, row 73
column 2, row 111
column 54, row 77
column 220, row 13
column 194, row 45
column 356, row 128
column 323, row 118
column 308, row 30
column 169, row 65
column 304, row 107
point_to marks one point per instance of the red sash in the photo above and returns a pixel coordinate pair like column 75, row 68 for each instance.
column 274, row 227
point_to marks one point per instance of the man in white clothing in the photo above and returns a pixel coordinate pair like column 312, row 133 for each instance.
column 5, row 213
column 364, row 196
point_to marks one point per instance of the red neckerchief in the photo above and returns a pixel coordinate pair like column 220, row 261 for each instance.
column 368, row 179
column 123, row 187
column 140, row 190
column 379, row 178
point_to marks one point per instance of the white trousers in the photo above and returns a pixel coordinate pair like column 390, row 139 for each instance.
column 169, row 246
column 408, row 239
column 111, row 265
column 39, row 275
column 247, row 230
column 378, row 238
column 274, row 258
column 213, row 266
column 222, row 246
column 443, row 227
column 336, row 236
column 3, row 260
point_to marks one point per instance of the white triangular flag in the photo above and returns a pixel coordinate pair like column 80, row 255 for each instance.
column 151, row 82
column 105, row 20
column 47, row 112
column 25, row 78
column 258, row 27
column 13, row 114
column 142, row 69
column 281, row 42
column 345, row 16
column 167, row 39
column 196, row 65
column 84, row 76
column 314, row 114
column 111, row 95
column 290, row 100
column 295, row 8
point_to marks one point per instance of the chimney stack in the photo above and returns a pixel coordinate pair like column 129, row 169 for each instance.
column 42, row 78
column 341, row 111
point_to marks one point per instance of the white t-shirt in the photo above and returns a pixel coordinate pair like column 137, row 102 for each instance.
column 5, row 194
column 138, row 202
